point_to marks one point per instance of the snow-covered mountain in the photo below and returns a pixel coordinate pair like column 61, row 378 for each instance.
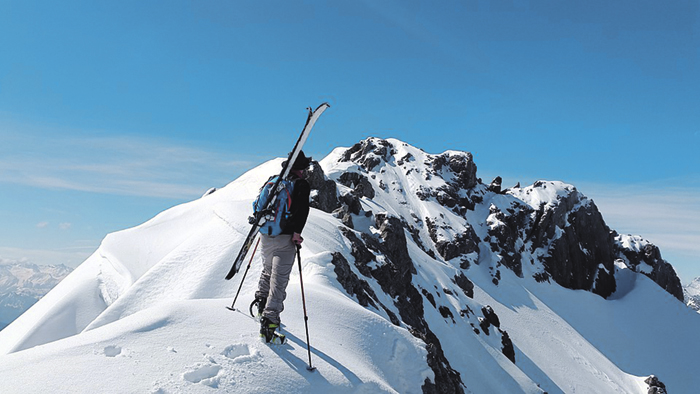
column 691, row 294
column 418, row 276
column 22, row 284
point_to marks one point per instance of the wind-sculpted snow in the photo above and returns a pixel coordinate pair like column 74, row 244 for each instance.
column 418, row 278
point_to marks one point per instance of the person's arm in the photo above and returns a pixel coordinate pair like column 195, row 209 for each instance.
column 300, row 208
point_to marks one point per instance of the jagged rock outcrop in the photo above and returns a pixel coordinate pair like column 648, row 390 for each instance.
column 359, row 183
column 461, row 167
column 644, row 257
column 463, row 243
column 439, row 203
column 369, row 153
column 564, row 230
column 495, row 185
column 506, row 228
column 579, row 245
column 394, row 274
column 324, row 195
column 655, row 385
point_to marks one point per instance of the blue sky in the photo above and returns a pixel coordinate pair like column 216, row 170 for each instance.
column 111, row 112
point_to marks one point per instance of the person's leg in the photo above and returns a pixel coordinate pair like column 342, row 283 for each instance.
column 267, row 253
column 282, row 264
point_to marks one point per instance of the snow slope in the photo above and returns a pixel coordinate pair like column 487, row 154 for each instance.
column 146, row 312
column 149, row 306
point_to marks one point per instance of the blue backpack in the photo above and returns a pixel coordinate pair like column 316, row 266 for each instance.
column 275, row 217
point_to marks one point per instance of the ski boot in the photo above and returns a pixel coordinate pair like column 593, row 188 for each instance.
column 268, row 330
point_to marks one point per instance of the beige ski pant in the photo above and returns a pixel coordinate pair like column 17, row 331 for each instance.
column 278, row 260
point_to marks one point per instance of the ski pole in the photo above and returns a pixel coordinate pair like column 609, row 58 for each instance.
column 306, row 317
column 244, row 275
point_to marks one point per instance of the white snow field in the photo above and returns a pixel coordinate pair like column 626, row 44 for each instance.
column 146, row 314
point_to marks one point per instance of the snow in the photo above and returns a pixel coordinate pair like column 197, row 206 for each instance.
column 164, row 319
column 146, row 312
column 197, row 345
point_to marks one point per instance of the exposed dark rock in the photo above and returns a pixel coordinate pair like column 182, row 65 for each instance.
column 424, row 193
column 357, row 287
column 359, row 251
column 347, row 220
column 351, row 283
column 369, row 153
column 462, row 176
column 326, row 197
column 466, row 312
column 541, row 277
column 490, row 316
column 430, row 297
column 655, row 385
column 406, row 158
column 359, row 183
column 484, row 324
column 662, row 272
column 399, row 265
column 446, row 313
column 495, row 185
column 465, row 284
column 462, row 244
column 584, row 244
column 462, row 165
column 394, row 275
column 449, row 196
column 504, row 232
column 508, row 350
column 352, row 202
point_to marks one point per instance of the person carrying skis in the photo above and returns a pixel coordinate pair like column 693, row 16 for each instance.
column 278, row 251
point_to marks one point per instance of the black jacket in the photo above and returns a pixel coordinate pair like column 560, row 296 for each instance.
column 300, row 207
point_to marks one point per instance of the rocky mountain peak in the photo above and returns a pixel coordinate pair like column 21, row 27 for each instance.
column 549, row 229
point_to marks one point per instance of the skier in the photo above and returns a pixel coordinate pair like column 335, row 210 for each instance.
column 278, row 253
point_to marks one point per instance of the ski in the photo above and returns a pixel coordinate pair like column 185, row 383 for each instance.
column 257, row 220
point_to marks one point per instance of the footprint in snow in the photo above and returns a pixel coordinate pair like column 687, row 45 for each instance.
column 205, row 374
column 113, row 351
column 238, row 352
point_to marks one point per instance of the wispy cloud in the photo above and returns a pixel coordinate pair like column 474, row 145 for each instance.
column 123, row 166
column 668, row 216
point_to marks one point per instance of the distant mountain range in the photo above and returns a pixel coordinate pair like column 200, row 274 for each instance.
column 23, row 284
column 691, row 294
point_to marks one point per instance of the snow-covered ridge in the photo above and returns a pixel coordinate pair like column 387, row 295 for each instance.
column 418, row 278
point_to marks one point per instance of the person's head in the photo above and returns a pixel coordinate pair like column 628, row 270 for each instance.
column 300, row 164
